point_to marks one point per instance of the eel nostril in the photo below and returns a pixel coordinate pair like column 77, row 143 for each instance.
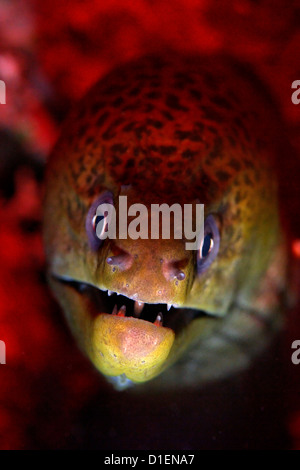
column 123, row 261
column 173, row 270
column 180, row 276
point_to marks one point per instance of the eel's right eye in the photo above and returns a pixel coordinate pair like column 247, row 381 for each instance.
column 97, row 220
column 100, row 224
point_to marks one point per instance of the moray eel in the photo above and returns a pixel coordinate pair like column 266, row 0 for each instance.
column 168, row 130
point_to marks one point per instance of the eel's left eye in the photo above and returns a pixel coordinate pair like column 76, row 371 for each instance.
column 207, row 245
column 210, row 244
column 97, row 220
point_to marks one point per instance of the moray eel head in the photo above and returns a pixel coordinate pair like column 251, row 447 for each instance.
column 173, row 131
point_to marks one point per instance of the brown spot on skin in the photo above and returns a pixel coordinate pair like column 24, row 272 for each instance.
column 193, row 136
column 257, row 176
column 238, row 213
column 89, row 140
column 232, row 141
column 235, row 164
column 200, row 126
column 153, row 95
column 154, row 160
column 155, row 123
column 217, row 150
column 129, row 127
column 172, row 101
column 212, row 114
column 170, row 182
column 188, row 153
column 238, row 197
column 211, row 81
column 184, row 77
column 114, row 89
column 248, row 164
column 118, row 148
column 130, row 163
column 116, row 161
column 181, row 135
column 167, row 149
column 117, row 102
column 180, row 85
column 147, row 77
column 135, row 91
column 167, row 115
column 94, row 170
column 149, row 108
column 239, row 123
column 221, row 102
column 101, row 120
column 132, row 106
column 109, row 134
column 139, row 131
column 222, row 175
column 155, row 84
column 112, row 129
column 196, row 94
column 247, row 180
column 212, row 129
column 82, row 168
column 96, row 107
column 82, row 130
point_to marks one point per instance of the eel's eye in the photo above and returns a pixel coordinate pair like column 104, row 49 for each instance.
column 100, row 224
column 207, row 245
column 97, row 220
column 210, row 244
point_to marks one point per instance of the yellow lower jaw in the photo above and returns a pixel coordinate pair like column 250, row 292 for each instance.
column 126, row 345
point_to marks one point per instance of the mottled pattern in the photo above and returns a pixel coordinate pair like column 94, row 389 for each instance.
column 142, row 131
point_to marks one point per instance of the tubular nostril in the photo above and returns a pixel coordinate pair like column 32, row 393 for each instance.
column 180, row 276
column 122, row 261
column 171, row 270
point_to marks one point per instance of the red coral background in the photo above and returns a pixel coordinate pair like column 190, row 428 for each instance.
column 50, row 397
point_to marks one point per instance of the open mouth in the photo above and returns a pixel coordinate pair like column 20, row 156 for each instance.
column 125, row 338
column 110, row 302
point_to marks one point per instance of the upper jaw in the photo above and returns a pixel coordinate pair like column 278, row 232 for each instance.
column 107, row 301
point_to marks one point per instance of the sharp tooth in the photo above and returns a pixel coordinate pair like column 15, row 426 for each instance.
column 159, row 320
column 115, row 310
column 109, row 292
column 169, row 306
column 122, row 311
column 138, row 307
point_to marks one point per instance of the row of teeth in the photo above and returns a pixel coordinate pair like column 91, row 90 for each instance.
column 122, row 313
column 138, row 306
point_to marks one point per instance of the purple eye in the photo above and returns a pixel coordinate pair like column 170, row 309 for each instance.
column 210, row 244
column 97, row 221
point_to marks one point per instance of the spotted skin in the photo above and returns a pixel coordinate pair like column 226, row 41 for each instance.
column 172, row 130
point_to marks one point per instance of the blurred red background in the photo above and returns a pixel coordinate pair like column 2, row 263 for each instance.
column 50, row 53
